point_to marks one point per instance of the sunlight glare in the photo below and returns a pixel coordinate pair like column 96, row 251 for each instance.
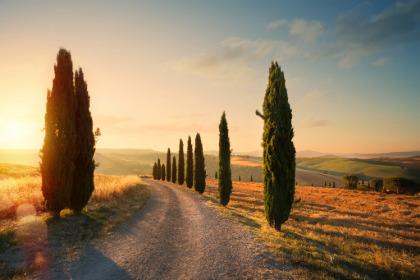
column 19, row 134
column 12, row 131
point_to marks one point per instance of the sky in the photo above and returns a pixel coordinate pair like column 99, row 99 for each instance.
column 158, row 71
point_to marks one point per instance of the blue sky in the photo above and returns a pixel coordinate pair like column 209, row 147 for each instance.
column 158, row 71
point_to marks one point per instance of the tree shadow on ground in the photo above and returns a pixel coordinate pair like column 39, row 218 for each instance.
column 348, row 263
column 93, row 264
column 64, row 236
column 245, row 220
column 349, row 223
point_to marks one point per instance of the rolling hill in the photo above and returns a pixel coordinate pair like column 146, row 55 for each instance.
column 311, row 170
column 365, row 168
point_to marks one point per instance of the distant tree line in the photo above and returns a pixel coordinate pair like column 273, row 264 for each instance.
column 397, row 185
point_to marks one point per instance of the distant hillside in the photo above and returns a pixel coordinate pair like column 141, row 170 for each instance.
column 366, row 168
column 312, row 154
column 311, row 170
column 131, row 161
column 309, row 154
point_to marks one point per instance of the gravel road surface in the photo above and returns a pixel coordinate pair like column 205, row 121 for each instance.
column 175, row 236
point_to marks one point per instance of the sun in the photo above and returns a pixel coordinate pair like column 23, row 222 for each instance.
column 13, row 131
column 20, row 134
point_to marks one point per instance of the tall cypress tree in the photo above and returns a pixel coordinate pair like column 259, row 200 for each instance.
column 190, row 164
column 173, row 170
column 59, row 150
column 154, row 171
column 163, row 173
column 225, row 174
column 83, row 183
column 279, row 151
column 159, row 170
column 168, row 166
column 199, row 166
column 181, row 168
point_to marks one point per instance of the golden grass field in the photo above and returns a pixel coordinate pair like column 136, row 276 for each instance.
column 27, row 190
column 29, row 236
column 336, row 233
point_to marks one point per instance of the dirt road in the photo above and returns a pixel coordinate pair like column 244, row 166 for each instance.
column 176, row 236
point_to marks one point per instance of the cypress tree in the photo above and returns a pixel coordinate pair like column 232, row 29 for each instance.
column 252, row 179
column 83, row 183
column 279, row 151
column 154, row 171
column 215, row 175
column 181, row 168
column 174, row 170
column 59, row 151
column 199, row 166
column 189, row 176
column 159, row 170
column 163, row 173
column 168, row 166
column 239, row 178
column 225, row 173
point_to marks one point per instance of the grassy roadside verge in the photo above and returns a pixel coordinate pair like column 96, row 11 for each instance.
column 335, row 233
column 31, row 240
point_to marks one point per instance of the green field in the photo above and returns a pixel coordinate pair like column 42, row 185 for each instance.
column 365, row 168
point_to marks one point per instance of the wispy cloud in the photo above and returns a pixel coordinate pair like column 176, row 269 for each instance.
column 236, row 49
column 307, row 31
column 232, row 58
column 354, row 36
column 398, row 24
column 301, row 29
column 358, row 34
column 277, row 24
column 235, row 55
column 351, row 57
column 380, row 62
column 317, row 123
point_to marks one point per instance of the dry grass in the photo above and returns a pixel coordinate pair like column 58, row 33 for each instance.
column 27, row 230
column 337, row 233
column 15, row 191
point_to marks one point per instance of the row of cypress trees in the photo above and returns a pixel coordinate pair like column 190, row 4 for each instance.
column 279, row 154
column 67, row 164
column 195, row 172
